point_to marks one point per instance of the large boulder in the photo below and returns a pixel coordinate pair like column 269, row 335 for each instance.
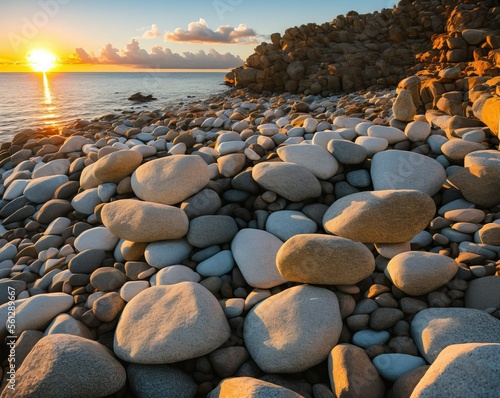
column 434, row 329
column 407, row 170
column 168, row 324
column 170, row 180
column 388, row 216
column 462, row 370
column 139, row 221
column 66, row 366
column 293, row 330
column 290, row 180
column 324, row 260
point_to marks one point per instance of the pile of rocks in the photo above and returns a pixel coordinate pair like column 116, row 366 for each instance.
column 297, row 245
column 291, row 244
column 376, row 50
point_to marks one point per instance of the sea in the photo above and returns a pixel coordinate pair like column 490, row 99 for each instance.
column 34, row 100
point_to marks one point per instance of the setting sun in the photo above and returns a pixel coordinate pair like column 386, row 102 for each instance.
column 41, row 60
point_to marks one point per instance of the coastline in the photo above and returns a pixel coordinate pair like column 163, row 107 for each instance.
column 256, row 242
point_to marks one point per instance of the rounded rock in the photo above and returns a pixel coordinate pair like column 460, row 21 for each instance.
column 163, row 324
column 293, row 330
column 324, row 260
column 138, row 221
column 170, row 180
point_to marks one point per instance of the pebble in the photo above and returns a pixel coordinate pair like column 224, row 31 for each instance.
column 393, row 366
column 367, row 338
column 217, row 265
column 175, row 274
column 287, row 223
column 164, row 253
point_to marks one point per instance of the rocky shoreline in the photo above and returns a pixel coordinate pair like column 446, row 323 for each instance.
column 293, row 244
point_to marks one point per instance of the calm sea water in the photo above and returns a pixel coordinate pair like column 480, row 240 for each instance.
column 33, row 100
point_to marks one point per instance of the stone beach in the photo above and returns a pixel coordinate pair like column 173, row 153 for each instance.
column 324, row 229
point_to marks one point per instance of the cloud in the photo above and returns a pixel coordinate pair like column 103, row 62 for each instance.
column 200, row 32
column 159, row 58
column 152, row 33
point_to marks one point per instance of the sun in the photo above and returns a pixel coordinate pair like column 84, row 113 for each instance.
column 41, row 60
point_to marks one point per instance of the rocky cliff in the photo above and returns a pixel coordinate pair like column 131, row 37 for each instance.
column 358, row 51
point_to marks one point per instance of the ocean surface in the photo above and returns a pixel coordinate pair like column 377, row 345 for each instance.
column 30, row 100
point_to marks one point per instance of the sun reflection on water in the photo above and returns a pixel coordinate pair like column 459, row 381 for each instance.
column 49, row 116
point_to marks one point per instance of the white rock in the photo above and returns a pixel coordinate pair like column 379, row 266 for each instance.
column 313, row 157
column 176, row 273
column 373, row 145
column 96, row 238
column 131, row 289
column 391, row 134
column 255, row 254
column 417, row 131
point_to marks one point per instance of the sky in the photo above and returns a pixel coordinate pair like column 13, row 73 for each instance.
column 117, row 35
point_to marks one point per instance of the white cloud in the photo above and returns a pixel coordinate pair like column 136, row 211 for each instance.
column 159, row 58
column 152, row 33
column 200, row 32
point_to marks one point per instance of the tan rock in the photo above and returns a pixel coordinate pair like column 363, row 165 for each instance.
column 419, row 273
column 491, row 110
column 139, row 221
column 478, row 184
column 404, row 109
column 324, row 260
column 116, row 166
column 490, row 234
column 170, row 180
column 250, row 387
column 389, row 216
column 352, row 374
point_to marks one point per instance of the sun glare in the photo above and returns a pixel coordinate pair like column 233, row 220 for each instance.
column 41, row 60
